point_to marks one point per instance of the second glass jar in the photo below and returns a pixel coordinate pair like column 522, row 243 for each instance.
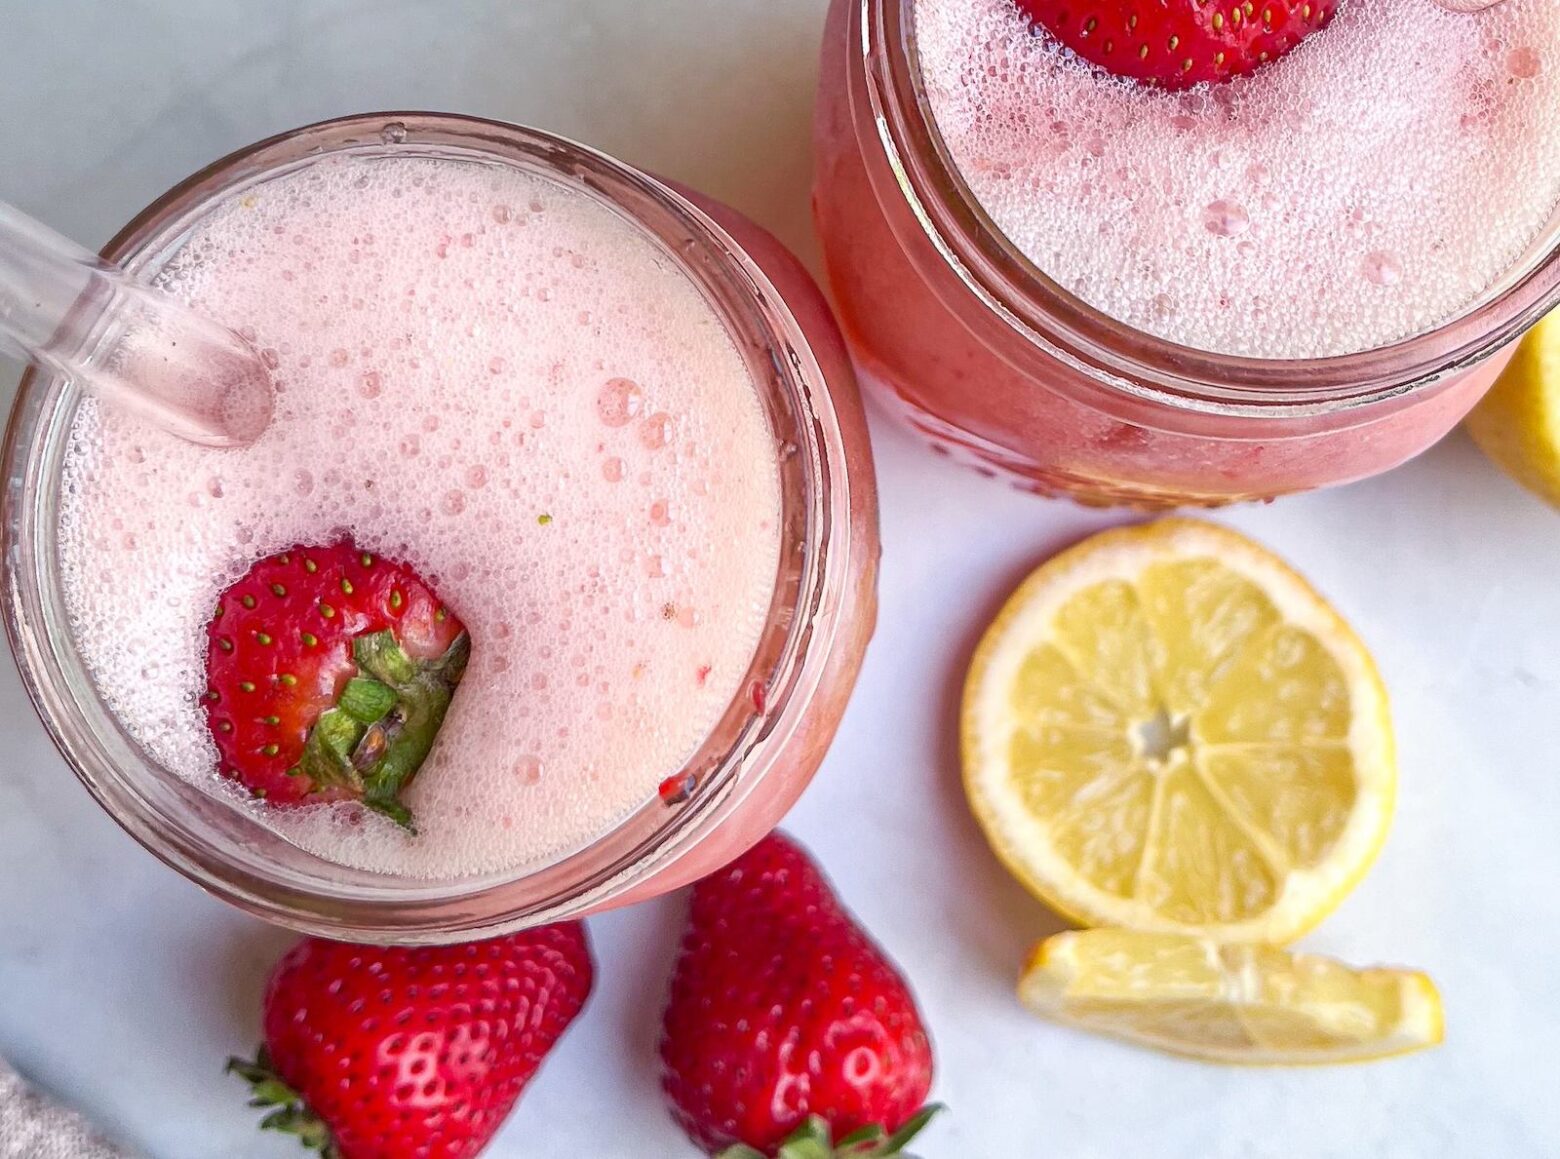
column 997, row 365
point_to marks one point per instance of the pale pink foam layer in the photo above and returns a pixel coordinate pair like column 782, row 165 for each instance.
column 505, row 384
column 1376, row 182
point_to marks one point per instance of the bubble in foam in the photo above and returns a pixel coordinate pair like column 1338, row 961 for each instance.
column 1225, row 218
column 528, row 769
column 655, row 431
column 618, row 401
column 1281, row 158
column 1524, row 63
column 529, row 520
column 1382, row 268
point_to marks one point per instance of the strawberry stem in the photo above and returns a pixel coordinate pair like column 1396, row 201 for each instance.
column 394, row 747
column 384, row 724
column 290, row 1114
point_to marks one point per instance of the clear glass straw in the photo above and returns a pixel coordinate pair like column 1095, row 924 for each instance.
column 70, row 313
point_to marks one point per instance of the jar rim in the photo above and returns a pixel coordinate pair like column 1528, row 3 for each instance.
column 739, row 752
column 1118, row 358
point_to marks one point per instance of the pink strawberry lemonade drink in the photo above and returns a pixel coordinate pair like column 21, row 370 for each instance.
column 1301, row 276
column 491, row 370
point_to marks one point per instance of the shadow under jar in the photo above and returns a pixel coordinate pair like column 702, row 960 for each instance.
column 761, row 751
column 1000, row 366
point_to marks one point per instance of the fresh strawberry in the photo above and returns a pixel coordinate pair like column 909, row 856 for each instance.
column 786, row 1022
column 1180, row 43
column 329, row 671
column 412, row 1052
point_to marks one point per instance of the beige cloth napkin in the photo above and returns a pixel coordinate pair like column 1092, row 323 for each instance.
column 32, row 1127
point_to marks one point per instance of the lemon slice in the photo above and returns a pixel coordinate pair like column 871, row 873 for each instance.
column 1229, row 1003
column 1166, row 728
column 1518, row 423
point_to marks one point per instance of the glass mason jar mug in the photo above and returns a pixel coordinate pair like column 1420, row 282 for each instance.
column 998, row 365
column 756, row 759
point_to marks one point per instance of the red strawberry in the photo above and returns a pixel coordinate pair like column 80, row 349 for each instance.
column 786, row 1022
column 1180, row 43
column 329, row 672
column 412, row 1052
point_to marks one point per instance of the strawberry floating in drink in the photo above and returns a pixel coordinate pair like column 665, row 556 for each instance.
column 412, row 1051
column 329, row 671
column 788, row 1031
column 1180, row 43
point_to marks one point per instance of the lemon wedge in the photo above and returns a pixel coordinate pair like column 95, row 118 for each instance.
column 1229, row 1003
column 1518, row 423
column 1166, row 728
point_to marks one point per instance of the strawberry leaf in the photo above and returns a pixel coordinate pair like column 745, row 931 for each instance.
column 265, row 1088
column 289, row 1113
column 913, row 1127
column 806, row 1149
column 378, row 654
column 811, row 1141
column 814, row 1140
column 365, row 700
column 862, row 1141
column 393, row 748
column 394, row 810
column 326, row 754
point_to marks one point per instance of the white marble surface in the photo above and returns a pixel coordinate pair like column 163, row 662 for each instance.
column 122, row 987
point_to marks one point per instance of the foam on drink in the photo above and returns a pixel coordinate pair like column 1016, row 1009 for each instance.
column 513, row 389
column 1374, row 183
